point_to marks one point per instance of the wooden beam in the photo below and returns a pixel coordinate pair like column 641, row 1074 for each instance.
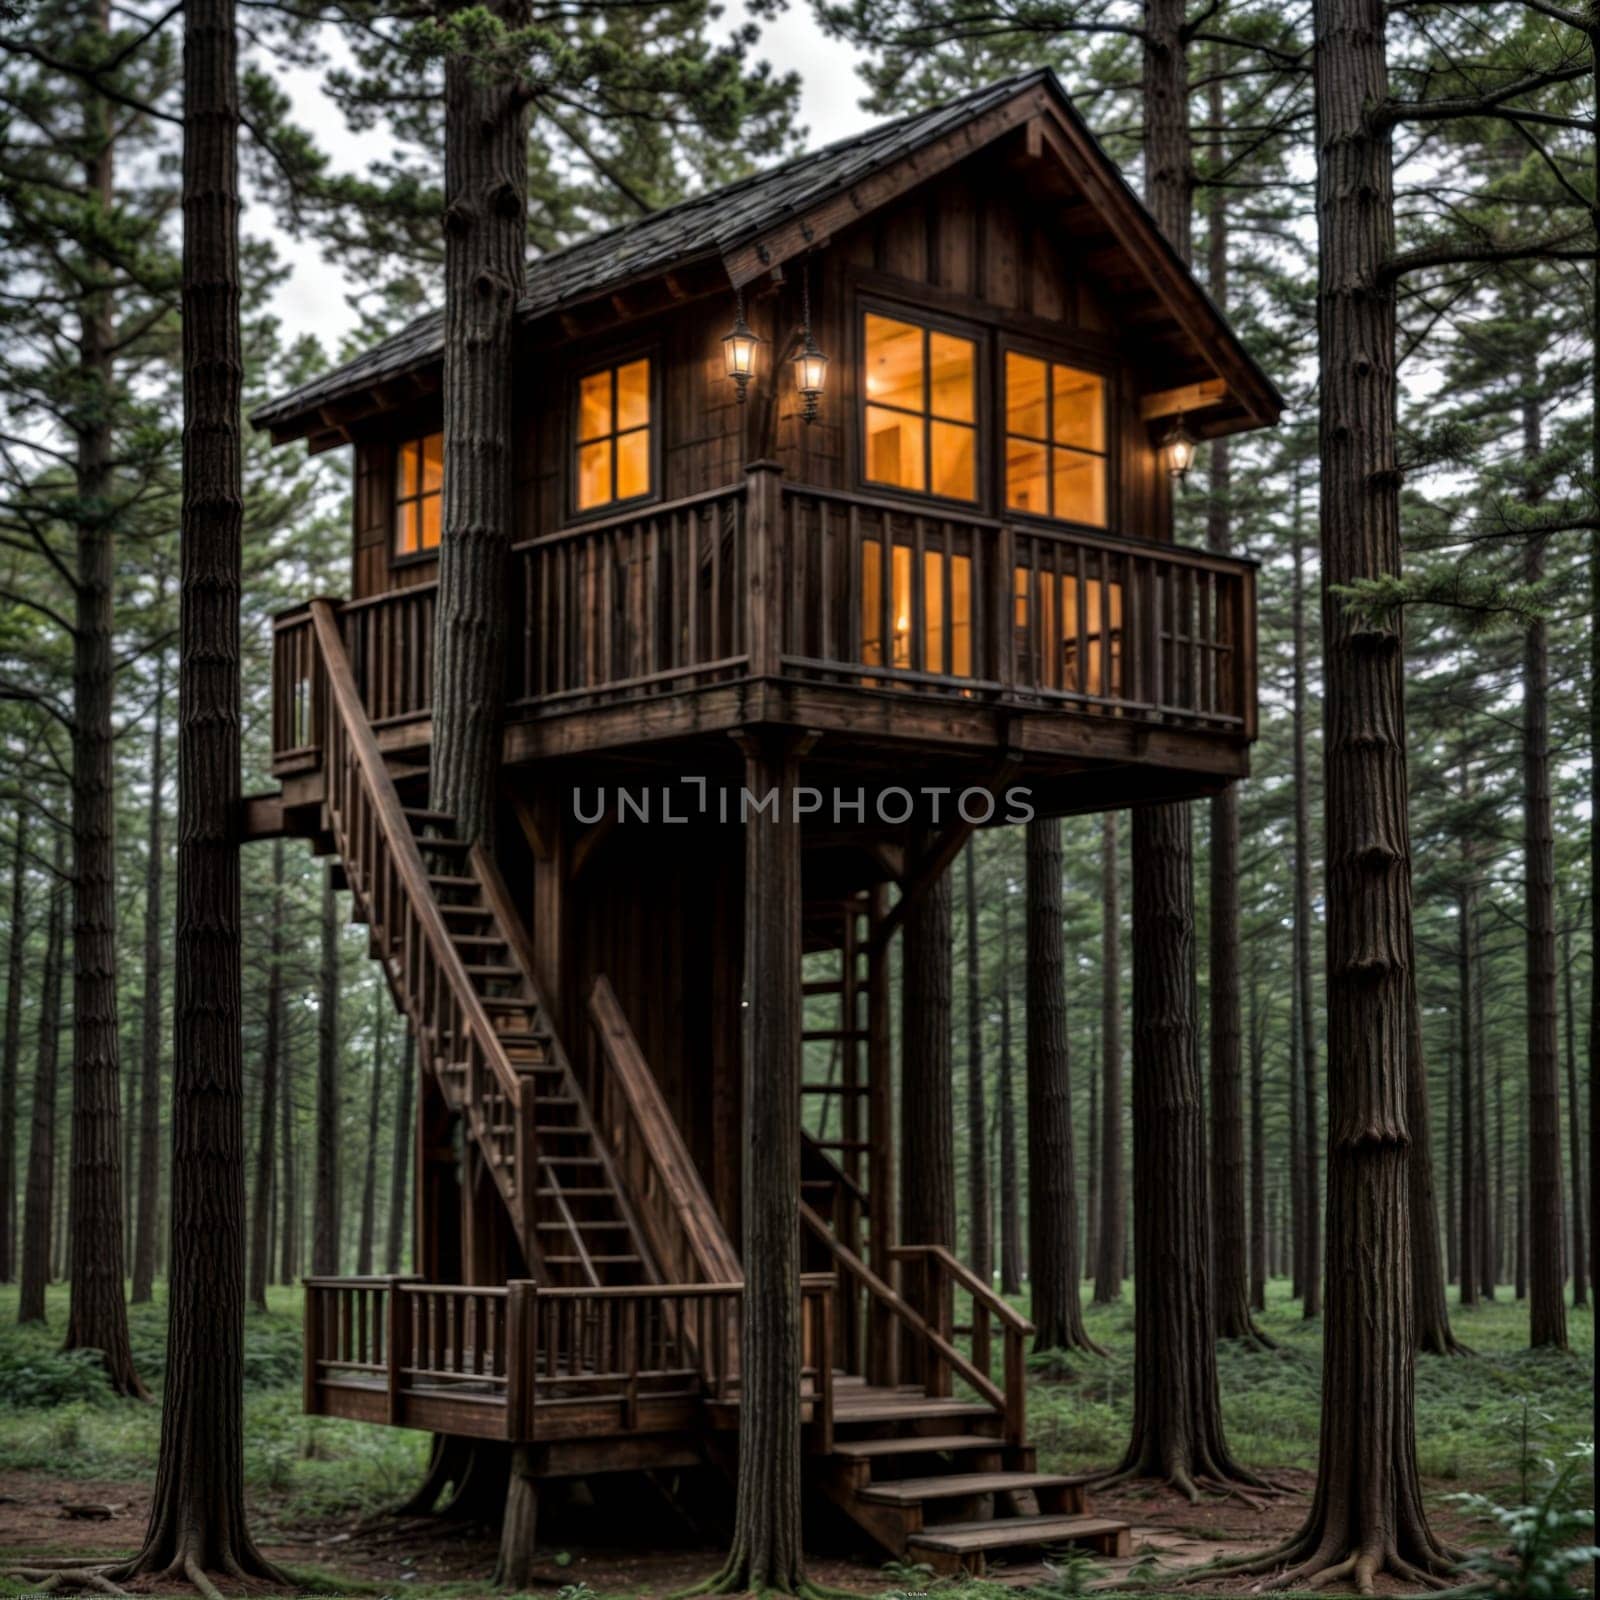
column 262, row 816
column 1191, row 397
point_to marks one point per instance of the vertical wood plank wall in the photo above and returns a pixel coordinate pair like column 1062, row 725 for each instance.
column 966, row 242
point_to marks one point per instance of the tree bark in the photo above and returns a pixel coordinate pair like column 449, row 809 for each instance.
column 1303, row 1092
column 981, row 1250
column 1113, row 1204
column 1260, row 1222
column 1429, row 1306
column 1367, row 1515
column 400, row 1161
column 1177, row 1412
column 1580, row 1253
column 927, row 1111
column 485, row 245
column 38, row 1217
column 1470, row 1205
column 325, row 1219
column 288, row 1184
column 197, row 1513
column 271, row 1056
column 144, row 1242
column 1452, row 1251
column 1011, row 1265
column 1091, row 1188
column 369, row 1178
column 1056, row 1305
column 1487, row 1275
column 1546, row 1214
column 98, row 1317
column 766, row 1553
column 11, row 1055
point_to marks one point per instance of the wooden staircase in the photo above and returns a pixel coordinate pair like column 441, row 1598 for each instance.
column 458, row 963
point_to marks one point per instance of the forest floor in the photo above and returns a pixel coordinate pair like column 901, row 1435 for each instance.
column 1492, row 1423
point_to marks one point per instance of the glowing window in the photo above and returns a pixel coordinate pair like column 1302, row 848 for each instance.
column 945, row 650
column 921, row 409
column 614, row 434
column 418, row 495
column 1055, row 440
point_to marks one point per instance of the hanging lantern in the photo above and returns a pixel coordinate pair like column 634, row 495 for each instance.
column 1178, row 448
column 810, row 365
column 739, row 349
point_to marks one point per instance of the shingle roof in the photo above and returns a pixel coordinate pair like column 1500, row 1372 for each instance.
column 718, row 223
column 707, row 223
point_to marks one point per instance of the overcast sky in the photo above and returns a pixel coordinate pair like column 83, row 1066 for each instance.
column 314, row 297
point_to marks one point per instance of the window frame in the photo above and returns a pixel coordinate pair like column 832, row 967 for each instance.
column 610, row 360
column 1060, row 354
column 397, row 501
column 981, row 337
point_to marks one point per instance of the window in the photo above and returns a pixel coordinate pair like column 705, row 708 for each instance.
column 922, row 409
column 1055, row 440
column 944, row 650
column 418, row 495
column 614, row 435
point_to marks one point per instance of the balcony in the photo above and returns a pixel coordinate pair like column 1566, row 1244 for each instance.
column 776, row 602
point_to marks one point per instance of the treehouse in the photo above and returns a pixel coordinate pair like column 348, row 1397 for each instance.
column 856, row 475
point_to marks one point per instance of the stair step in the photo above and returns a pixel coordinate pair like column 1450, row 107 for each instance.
column 484, row 941
column 572, row 1194
column 421, row 816
column 506, row 1002
column 912, row 1445
column 910, row 1408
column 599, row 1261
column 433, row 841
column 965, row 1538
column 494, row 974
column 457, row 908
column 451, row 880
column 570, row 1161
column 582, row 1223
column 959, row 1486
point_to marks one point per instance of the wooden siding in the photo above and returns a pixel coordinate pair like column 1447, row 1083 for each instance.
column 964, row 245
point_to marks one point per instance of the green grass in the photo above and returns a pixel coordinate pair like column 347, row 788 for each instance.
column 1469, row 1408
column 56, row 1416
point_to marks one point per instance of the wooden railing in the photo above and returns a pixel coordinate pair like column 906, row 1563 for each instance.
column 934, row 1332
column 639, row 606
column 685, row 1233
column 386, row 873
column 775, row 579
column 529, row 1359
column 965, row 606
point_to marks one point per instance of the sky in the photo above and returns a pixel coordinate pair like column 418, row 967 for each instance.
column 313, row 299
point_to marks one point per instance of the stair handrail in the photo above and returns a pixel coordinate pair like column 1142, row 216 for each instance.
column 402, row 845
column 707, row 1249
column 889, row 1301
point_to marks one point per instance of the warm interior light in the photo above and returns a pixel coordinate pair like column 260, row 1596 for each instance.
column 810, row 375
column 739, row 350
column 1178, row 447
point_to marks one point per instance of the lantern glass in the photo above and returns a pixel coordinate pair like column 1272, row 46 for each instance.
column 811, row 371
column 739, row 351
column 1179, row 448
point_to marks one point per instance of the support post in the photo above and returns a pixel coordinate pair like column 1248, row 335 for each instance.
column 883, row 1365
column 522, row 1324
column 764, row 567
column 311, row 1334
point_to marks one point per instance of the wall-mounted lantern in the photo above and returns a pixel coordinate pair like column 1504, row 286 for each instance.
column 1178, row 448
column 739, row 350
column 810, row 365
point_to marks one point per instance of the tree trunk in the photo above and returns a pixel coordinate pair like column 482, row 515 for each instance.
column 1487, row 1276
column 485, row 244
column 1367, row 1514
column 1580, row 1253
column 325, row 1211
column 197, row 1512
column 1010, row 1178
column 1429, row 1306
column 1177, row 1412
column 1091, row 1188
column 1519, row 1266
column 766, row 1552
column 1297, row 1155
column 1056, row 1305
column 11, row 1058
column 98, row 1316
column 927, row 1112
column 369, row 1178
column 1546, row 1214
column 1470, row 1258
column 38, row 1217
column 288, row 1184
column 144, row 1243
column 400, row 1161
column 271, row 1056
column 1452, row 1253
column 1260, row 1223
column 1308, row 1198
column 981, row 1251
column 1113, row 1205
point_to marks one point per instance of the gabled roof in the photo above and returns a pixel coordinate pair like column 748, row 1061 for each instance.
column 756, row 223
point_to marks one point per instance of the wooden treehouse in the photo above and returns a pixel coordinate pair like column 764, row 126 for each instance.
column 956, row 575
